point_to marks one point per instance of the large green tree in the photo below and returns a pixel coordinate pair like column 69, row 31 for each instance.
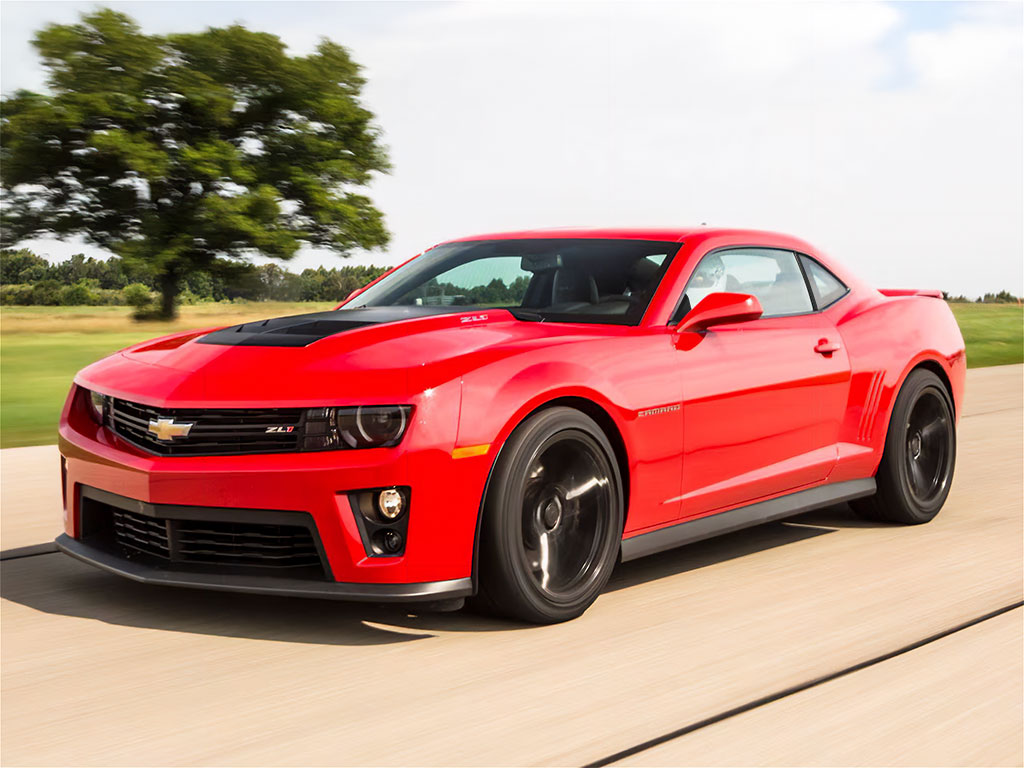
column 190, row 151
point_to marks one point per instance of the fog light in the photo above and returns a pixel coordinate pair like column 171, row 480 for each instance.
column 391, row 504
column 392, row 541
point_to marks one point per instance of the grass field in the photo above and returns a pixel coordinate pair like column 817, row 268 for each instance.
column 994, row 333
column 41, row 348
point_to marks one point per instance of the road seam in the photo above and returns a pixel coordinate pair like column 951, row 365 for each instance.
column 987, row 413
column 799, row 688
column 32, row 550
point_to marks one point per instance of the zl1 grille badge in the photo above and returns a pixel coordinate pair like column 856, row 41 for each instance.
column 269, row 430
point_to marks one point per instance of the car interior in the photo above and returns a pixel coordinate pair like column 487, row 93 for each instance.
column 595, row 289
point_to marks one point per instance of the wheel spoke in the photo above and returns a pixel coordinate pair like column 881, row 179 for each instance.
column 544, row 565
column 932, row 431
column 566, row 504
column 591, row 484
column 917, row 478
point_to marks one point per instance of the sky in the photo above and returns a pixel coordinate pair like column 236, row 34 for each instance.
column 890, row 135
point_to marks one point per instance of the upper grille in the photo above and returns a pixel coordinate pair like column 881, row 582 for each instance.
column 214, row 431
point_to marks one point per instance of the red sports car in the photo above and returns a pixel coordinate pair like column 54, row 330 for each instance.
column 505, row 417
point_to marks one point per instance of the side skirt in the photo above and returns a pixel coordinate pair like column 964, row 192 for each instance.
column 745, row 517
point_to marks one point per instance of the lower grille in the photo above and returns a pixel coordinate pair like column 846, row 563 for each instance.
column 214, row 543
column 201, row 538
column 144, row 535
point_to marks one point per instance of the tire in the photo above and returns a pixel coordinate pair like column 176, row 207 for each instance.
column 917, row 464
column 547, row 548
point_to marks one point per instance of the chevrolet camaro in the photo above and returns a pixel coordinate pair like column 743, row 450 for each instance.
column 506, row 417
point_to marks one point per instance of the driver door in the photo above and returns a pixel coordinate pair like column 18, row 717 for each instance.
column 762, row 400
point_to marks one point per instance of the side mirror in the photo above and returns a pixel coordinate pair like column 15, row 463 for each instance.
column 348, row 298
column 719, row 309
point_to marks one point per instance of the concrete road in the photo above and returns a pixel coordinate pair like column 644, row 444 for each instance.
column 734, row 651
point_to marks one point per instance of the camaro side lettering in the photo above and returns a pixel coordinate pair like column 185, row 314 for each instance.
column 168, row 429
column 661, row 409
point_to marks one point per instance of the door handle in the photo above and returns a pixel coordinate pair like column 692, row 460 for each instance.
column 826, row 347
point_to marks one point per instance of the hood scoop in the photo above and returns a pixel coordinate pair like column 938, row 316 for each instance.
column 303, row 330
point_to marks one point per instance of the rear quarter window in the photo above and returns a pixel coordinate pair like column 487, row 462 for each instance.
column 826, row 287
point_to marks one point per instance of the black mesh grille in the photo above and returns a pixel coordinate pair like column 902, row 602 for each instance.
column 203, row 538
column 215, row 543
column 142, row 535
column 275, row 546
column 213, row 431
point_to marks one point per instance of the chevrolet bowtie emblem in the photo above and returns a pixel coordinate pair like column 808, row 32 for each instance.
column 168, row 429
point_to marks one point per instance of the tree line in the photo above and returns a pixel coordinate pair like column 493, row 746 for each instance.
column 29, row 279
column 1003, row 297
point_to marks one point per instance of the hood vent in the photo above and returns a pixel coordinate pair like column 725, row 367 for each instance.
column 303, row 330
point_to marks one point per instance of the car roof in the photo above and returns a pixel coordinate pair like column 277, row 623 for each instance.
column 664, row 234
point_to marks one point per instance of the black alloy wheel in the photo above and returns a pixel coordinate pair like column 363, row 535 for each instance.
column 552, row 519
column 928, row 435
column 916, row 470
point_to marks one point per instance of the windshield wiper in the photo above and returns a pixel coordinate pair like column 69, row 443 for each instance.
column 526, row 315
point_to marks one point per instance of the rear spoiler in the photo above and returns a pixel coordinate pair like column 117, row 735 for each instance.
column 910, row 292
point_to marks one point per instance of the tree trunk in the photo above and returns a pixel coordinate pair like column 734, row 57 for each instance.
column 170, row 287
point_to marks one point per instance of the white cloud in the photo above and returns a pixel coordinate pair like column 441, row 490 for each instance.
column 896, row 147
column 965, row 54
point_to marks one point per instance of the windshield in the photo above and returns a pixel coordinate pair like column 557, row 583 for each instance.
column 567, row 280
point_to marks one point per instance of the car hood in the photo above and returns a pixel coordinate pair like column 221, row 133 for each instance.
column 370, row 355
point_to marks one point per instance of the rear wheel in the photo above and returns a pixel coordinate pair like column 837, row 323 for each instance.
column 916, row 470
column 552, row 519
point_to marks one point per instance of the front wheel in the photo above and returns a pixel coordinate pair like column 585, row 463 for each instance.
column 916, row 470
column 552, row 519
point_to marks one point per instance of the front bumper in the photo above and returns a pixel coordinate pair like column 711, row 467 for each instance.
column 437, row 562
column 266, row 585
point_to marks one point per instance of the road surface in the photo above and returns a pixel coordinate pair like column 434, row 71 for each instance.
column 821, row 640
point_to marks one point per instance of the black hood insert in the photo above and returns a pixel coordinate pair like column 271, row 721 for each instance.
column 303, row 330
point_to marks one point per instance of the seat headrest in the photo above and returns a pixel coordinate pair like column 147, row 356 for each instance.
column 641, row 273
column 573, row 285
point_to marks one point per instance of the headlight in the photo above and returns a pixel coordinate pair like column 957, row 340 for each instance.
column 97, row 406
column 366, row 426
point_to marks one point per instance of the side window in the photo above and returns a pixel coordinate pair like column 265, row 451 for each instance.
column 772, row 276
column 827, row 288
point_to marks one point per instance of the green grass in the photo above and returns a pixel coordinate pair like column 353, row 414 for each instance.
column 41, row 348
column 994, row 333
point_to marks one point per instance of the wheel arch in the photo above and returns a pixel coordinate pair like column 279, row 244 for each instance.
column 925, row 361
column 933, row 365
column 928, row 362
